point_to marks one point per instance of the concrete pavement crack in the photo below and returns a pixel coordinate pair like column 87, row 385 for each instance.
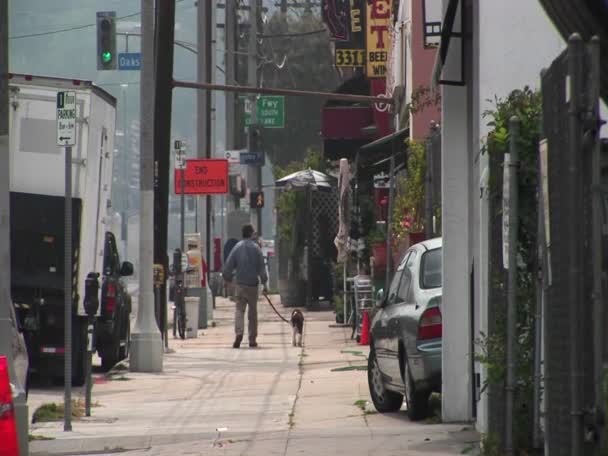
column 292, row 414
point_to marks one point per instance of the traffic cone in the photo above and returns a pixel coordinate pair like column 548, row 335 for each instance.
column 365, row 329
column 8, row 427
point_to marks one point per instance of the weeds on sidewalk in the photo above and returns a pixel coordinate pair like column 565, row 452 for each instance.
column 55, row 412
column 33, row 437
column 354, row 352
column 349, row 368
column 365, row 407
column 292, row 422
column 434, row 409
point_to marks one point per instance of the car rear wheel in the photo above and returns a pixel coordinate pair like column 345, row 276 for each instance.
column 417, row 401
column 384, row 400
column 110, row 356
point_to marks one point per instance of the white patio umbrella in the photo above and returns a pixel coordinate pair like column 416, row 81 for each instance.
column 341, row 240
column 308, row 178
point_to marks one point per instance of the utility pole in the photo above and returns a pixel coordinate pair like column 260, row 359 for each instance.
column 255, row 172
column 230, row 48
column 230, row 59
column 203, row 115
column 146, row 344
column 20, row 403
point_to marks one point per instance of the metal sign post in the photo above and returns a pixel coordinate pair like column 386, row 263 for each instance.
column 91, row 306
column 66, row 137
column 180, row 164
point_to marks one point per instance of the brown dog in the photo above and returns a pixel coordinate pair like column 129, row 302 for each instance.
column 297, row 324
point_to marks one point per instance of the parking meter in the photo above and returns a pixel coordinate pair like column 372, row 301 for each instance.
column 177, row 262
column 160, row 313
column 159, row 275
column 91, row 306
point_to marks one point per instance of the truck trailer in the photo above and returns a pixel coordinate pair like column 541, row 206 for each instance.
column 37, row 184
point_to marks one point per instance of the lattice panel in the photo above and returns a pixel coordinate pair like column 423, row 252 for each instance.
column 324, row 221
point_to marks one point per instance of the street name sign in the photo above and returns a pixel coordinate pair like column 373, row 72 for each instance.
column 203, row 177
column 270, row 111
column 66, row 118
column 129, row 61
column 233, row 157
column 253, row 158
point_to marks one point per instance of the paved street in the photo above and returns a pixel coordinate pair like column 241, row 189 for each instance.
column 275, row 400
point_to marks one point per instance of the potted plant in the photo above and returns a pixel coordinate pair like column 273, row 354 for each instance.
column 408, row 221
column 377, row 244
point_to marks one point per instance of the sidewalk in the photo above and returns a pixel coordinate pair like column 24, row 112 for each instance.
column 277, row 399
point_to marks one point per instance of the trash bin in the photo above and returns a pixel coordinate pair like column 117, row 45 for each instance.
column 210, row 298
column 192, row 304
column 199, row 293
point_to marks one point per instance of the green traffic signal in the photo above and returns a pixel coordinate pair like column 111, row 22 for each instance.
column 106, row 40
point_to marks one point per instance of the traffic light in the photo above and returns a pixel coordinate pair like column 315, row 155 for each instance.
column 254, row 139
column 106, row 40
column 256, row 200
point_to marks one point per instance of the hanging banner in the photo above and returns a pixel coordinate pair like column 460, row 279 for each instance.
column 336, row 16
column 378, row 37
column 351, row 53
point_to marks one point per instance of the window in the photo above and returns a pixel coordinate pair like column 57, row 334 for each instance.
column 394, row 288
column 406, row 281
column 392, row 294
column 111, row 262
column 406, row 278
column 430, row 276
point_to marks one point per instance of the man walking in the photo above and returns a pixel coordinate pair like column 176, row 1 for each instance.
column 247, row 259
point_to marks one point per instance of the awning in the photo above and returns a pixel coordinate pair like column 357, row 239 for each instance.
column 335, row 149
column 588, row 18
column 447, row 33
column 375, row 156
column 387, row 140
column 345, row 122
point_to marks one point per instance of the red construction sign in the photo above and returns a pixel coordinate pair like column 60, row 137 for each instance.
column 203, row 177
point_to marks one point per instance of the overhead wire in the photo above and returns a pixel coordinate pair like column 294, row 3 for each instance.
column 294, row 34
column 77, row 27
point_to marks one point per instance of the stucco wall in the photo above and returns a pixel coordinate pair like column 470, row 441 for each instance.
column 513, row 41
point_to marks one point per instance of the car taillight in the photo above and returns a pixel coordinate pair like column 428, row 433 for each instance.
column 430, row 326
column 110, row 301
column 8, row 426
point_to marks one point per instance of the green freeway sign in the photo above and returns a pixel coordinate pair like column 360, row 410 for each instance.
column 270, row 111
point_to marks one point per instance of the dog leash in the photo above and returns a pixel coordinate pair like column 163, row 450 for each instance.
column 275, row 310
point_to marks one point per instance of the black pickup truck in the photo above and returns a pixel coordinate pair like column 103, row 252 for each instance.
column 37, row 288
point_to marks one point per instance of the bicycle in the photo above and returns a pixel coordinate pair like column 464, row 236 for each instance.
column 179, row 298
column 179, row 314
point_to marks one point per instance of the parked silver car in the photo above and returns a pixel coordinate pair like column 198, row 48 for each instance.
column 405, row 351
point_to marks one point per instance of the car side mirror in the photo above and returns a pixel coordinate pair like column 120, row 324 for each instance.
column 380, row 298
column 126, row 269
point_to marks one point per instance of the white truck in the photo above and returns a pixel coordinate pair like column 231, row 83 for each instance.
column 37, row 183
